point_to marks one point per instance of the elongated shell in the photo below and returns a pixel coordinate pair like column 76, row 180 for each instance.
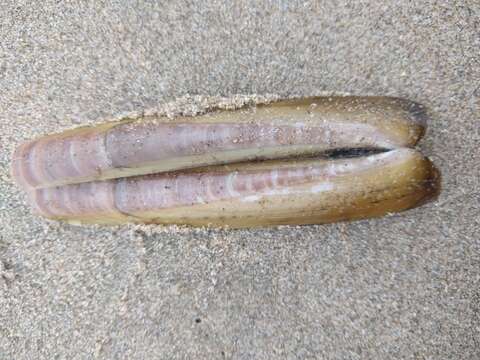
column 241, row 195
column 282, row 129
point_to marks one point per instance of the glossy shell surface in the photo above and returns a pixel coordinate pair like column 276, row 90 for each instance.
column 288, row 128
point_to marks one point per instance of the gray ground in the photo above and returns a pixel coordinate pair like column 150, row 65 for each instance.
column 404, row 286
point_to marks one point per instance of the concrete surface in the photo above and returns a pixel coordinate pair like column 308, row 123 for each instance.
column 401, row 287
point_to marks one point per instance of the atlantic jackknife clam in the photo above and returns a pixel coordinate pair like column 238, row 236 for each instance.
column 303, row 161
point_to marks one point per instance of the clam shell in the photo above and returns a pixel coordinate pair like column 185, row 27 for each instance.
column 311, row 191
column 289, row 128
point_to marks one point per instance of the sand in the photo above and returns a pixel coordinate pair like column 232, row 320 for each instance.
column 403, row 286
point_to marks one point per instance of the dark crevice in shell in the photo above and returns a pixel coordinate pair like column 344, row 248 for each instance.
column 345, row 153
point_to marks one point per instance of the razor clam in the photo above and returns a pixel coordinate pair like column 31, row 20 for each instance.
column 251, row 194
column 205, row 170
column 284, row 129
